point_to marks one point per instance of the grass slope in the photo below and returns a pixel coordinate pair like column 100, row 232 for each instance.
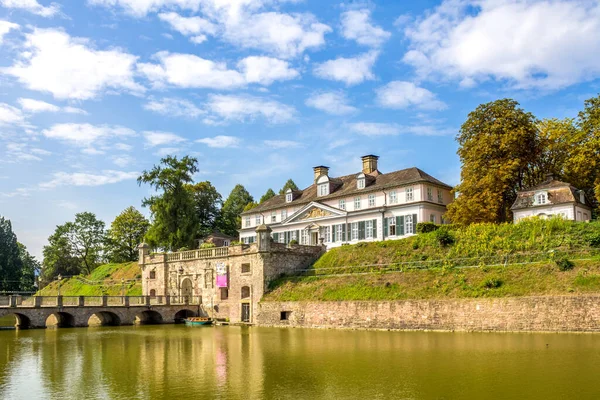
column 106, row 280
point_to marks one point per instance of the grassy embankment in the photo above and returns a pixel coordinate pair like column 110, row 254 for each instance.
column 420, row 267
column 104, row 280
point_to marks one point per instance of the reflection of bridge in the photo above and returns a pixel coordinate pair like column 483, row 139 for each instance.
column 78, row 311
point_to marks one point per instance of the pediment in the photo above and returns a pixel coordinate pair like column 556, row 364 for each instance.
column 314, row 211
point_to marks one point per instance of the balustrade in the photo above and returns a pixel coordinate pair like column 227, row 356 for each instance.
column 96, row 301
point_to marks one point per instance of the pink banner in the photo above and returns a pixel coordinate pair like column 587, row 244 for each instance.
column 221, row 280
column 221, row 275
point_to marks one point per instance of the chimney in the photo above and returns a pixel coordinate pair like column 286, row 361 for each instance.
column 369, row 163
column 320, row 170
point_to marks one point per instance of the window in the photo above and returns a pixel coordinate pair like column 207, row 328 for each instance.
column 153, row 274
column 304, row 237
column 578, row 215
column 226, row 243
column 393, row 197
column 153, row 293
column 408, row 224
column 354, row 226
column 360, row 183
column 339, row 233
column 289, row 196
column 285, row 315
column 540, row 198
column 585, row 217
column 246, row 222
column 432, row 218
column 369, row 229
column 582, row 197
column 281, row 237
column 245, row 292
column 258, row 219
column 323, row 189
column 440, row 196
column 357, row 203
column 294, row 236
column 245, row 268
column 392, row 226
column 409, row 194
column 224, row 293
column 342, row 204
column 371, row 200
column 327, row 234
column 283, row 214
column 273, row 216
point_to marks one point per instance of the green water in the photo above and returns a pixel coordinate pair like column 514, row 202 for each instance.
column 162, row 362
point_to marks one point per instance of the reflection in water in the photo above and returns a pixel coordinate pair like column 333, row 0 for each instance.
column 157, row 362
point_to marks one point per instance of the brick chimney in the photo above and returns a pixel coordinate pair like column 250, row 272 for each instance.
column 369, row 164
column 320, row 170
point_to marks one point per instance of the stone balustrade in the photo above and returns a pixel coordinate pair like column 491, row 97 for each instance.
column 95, row 301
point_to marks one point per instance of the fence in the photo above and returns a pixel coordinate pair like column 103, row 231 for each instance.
column 96, row 301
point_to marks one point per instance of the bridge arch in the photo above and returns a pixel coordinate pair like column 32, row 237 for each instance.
column 60, row 319
column 182, row 314
column 148, row 317
column 104, row 318
column 22, row 321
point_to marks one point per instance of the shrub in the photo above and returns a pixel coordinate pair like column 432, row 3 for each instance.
column 361, row 244
column 595, row 240
column 207, row 245
column 444, row 237
column 415, row 245
column 564, row 264
column 183, row 249
column 426, row 227
column 492, row 283
column 293, row 242
column 235, row 243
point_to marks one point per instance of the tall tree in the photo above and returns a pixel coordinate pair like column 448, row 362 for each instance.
column 585, row 162
column 86, row 238
column 497, row 146
column 207, row 205
column 11, row 265
column 269, row 194
column 174, row 219
column 288, row 185
column 31, row 268
column 125, row 234
column 59, row 257
column 230, row 220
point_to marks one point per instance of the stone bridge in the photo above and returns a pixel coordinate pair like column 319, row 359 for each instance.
column 81, row 311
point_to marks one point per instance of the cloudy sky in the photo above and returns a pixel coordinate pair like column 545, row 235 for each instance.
column 92, row 92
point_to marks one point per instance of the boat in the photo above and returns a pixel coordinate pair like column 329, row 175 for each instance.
column 198, row 321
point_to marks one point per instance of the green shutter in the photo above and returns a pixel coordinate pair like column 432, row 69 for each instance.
column 400, row 225
column 344, row 239
column 298, row 236
column 276, row 237
column 286, row 237
column 414, row 224
column 385, row 227
column 361, row 230
column 374, row 229
column 332, row 227
column 348, row 232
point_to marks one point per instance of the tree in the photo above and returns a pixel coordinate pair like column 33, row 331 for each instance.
column 125, row 234
column 288, row 185
column 59, row 258
column 250, row 206
column 268, row 195
column 31, row 267
column 585, row 161
column 230, row 220
column 174, row 218
column 498, row 145
column 207, row 205
column 11, row 265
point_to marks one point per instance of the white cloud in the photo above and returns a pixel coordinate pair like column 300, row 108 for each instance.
column 283, row 144
column 74, row 110
column 85, row 135
column 402, row 94
column 196, row 27
column 174, row 107
column 334, row 103
column 156, row 138
column 140, row 8
column 123, row 146
column 245, row 108
column 67, row 67
column 348, row 70
column 167, row 151
column 10, row 115
column 122, row 160
column 22, row 152
column 221, row 141
column 36, row 106
column 529, row 44
column 356, row 25
column 5, row 27
column 84, row 179
column 374, row 128
column 266, row 70
column 32, row 6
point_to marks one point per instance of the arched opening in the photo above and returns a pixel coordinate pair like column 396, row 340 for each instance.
column 153, row 293
column 245, row 292
column 104, row 318
column 11, row 321
column 186, row 288
column 183, row 314
column 148, row 317
column 60, row 320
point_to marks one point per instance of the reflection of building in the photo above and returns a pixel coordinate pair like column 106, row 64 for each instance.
column 230, row 281
column 552, row 197
column 365, row 206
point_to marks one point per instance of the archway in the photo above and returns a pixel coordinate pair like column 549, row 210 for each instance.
column 104, row 318
column 148, row 317
column 60, row 320
column 186, row 289
column 19, row 321
column 183, row 314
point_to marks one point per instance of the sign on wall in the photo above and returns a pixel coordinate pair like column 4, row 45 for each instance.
column 221, row 275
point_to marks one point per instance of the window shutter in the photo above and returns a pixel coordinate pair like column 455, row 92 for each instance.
column 414, row 223
column 361, row 230
column 349, row 232
column 298, row 236
column 332, row 233
column 276, row 237
column 343, row 238
column 385, row 227
column 374, row 229
column 400, row 225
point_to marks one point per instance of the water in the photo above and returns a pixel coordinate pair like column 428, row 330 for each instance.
column 162, row 362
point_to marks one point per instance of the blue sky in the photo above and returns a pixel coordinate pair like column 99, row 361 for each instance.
column 94, row 92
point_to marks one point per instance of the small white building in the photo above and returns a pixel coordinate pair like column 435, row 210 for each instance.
column 552, row 197
column 364, row 206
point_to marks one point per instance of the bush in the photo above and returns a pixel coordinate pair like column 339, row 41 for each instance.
column 492, row 283
column 293, row 242
column 426, row 227
column 444, row 237
column 207, row 245
column 183, row 249
column 235, row 243
column 595, row 240
column 564, row 264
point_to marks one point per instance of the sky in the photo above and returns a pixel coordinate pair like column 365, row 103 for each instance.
column 93, row 92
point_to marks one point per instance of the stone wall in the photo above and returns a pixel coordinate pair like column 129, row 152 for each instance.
column 550, row 314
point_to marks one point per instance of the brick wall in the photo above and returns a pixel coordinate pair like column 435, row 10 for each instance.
column 552, row 313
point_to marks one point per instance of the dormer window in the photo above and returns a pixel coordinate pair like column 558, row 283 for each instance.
column 289, row 196
column 361, row 181
column 582, row 197
column 323, row 185
column 541, row 198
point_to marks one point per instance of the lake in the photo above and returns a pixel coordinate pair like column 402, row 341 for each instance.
column 178, row 362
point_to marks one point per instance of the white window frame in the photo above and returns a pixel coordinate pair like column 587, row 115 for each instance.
column 293, row 236
column 273, row 216
column 393, row 197
column 369, row 229
column 429, row 193
column 257, row 219
column 432, row 218
column 541, row 198
column 408, row 224
column 410, row 194
column 342, row 204
column 281, row 237
column 283, row 215
column 323, row 189
column 440, row 196
column 339, row 233
column 288, row 197
column 371, row 200
column 354, row 230
column 357, row 201
column 304, row 237
column 360, row 183
column 327, row 234
column 391, row 223
column 247, row 222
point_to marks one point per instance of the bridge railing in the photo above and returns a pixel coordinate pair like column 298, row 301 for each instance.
column 96, row 301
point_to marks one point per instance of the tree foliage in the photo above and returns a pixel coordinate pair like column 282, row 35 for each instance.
column 11, row 264
column 31, row 267
column 230, row 220
column 288, row 185
column 59, row 258
column 207, row 204
column 126, row 232
column 269, row 194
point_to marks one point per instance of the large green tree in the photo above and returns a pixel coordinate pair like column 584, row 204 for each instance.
column 174, row 218
column 230, row 220
column 269, row 194
column 498, row 145
column 31, row 268
column 59, row 257
column 11, row 264
column 585, row 161
column 207, row 205
column 126, row 232
column 288, row 185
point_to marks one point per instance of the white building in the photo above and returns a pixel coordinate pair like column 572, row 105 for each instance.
column 365, row 206
column 552, row 197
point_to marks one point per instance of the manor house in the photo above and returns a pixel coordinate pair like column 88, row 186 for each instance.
column 365, row 206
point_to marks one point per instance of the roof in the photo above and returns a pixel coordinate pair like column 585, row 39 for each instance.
column 558, row 193
column 346, row 186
